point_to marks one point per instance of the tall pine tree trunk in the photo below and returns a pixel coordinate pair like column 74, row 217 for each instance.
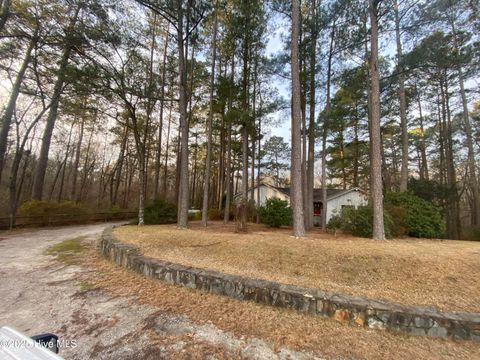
column 83, row 181
column 14, row 190
column 242, row 207
column 403, row 103
column 140, row 152
column 4, row 12
column 472, row 173
column 254, row 140
column 183, row 198
column 228, row 165
column 10, row 109
column 259, row 151
column 206, row 189
column 117, row 177
column 303, row 105
column 453, row 201
column 325, row 130
column 141, row 194
column 311, row 127
column 160, row 122
column 375, row 140
column 221, row 161
column 356, row 141
column 167, row 145
column 77, row 160
column 193, row 192
column 149, row 108
column 296, row 192
column 423, row 148
column 42, row 163
column 67, row 153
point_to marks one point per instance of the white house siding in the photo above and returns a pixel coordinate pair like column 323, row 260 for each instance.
column 349, row 198
column 352, row 198
column 267, row 192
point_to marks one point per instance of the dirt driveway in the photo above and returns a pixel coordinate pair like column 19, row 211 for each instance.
column 40, row 294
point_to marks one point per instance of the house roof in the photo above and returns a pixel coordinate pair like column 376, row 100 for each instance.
column 317, row 193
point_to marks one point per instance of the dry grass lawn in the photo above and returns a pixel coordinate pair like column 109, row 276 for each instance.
column 445, row 274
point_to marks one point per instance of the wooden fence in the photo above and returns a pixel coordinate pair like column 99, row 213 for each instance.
column 63, row 219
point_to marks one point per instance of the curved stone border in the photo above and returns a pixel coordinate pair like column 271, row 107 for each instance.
column 345, row 308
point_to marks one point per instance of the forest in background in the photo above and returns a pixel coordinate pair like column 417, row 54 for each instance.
column 114, row 104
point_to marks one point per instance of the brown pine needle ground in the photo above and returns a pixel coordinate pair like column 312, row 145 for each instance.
column 437, row 273
column 281, row 327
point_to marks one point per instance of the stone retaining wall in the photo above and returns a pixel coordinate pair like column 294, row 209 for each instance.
column 344, row 308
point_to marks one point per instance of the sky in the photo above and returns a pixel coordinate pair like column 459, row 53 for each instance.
column 274, row 46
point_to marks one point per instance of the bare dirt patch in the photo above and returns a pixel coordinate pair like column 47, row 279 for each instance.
column 410, row 271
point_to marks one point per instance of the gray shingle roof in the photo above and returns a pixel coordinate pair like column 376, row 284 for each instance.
column 317, row 193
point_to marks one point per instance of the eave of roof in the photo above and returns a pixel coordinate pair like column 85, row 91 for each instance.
column 286, row 191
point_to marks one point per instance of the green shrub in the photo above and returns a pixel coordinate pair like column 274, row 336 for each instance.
column 47, row 213
column 335, row 222
column 429, row 190
column 252, row 211
column 398, row 215
column 194, row 215
column 358, row 221
column 421, row 219
column 34, row 208
column 473, row 233
column 275, row 213
column 160, row 212
column 215, row 214
column 114, row 210
column 404, row 215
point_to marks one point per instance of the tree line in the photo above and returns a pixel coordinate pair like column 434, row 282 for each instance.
column 115, row 104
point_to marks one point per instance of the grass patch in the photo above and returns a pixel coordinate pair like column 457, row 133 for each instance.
column 67, row 251
column 86, row 286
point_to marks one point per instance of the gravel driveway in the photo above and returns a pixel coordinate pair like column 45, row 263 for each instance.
column 40, row 294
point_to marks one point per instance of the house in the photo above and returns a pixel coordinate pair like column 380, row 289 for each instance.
column 336, row 198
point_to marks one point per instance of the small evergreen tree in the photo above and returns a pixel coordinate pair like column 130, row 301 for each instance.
column 160, row 212
column 422, row 218
column 275, row 213
column 358, row 221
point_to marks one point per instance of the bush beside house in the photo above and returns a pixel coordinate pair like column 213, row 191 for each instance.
column 405, row 215
column 275, row 213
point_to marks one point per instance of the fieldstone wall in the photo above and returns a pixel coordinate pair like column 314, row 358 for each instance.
column 424, row 321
